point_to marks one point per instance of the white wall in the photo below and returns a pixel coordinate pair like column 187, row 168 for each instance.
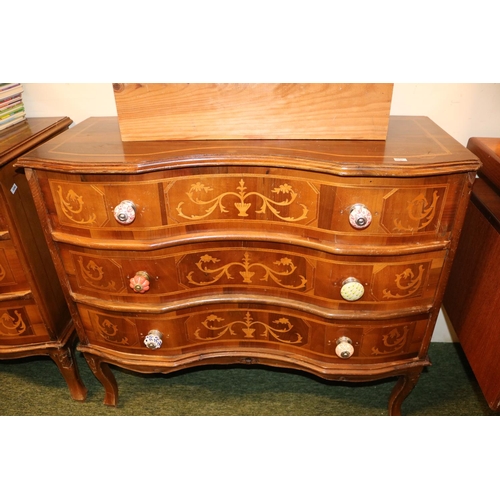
column 462, row 109
column 76, row 100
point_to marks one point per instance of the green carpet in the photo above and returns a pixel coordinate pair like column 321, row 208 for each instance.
column 35, row 387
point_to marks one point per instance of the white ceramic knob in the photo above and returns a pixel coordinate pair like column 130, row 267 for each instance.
column 344, row 348
column 153, row 339
column 359, row 216
column 124, row 212
column 352, row 289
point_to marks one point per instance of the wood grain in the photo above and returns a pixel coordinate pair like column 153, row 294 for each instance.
column 161, row 111
column 472, row 301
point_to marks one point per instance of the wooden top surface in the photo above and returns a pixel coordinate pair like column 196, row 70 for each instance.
column 415, row 146
column 19, row 138
column 487, row 149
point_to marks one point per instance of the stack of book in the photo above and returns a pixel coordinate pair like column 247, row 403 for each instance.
column 11, row 105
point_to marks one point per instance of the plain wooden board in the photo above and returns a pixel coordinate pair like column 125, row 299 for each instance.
column 176, row 111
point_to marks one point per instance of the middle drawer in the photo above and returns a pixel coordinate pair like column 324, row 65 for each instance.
column 171, row 278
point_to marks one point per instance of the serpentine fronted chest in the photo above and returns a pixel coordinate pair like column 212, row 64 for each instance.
column 34, row 318
column 327, row 256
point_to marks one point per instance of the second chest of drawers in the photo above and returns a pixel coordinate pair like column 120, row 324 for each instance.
column 34, row 318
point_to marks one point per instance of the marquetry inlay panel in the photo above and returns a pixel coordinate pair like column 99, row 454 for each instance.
column 230, row 197
column 246, row 325
column 21, row 324
column 14, row 322
column 249, row 267
column 411, row 210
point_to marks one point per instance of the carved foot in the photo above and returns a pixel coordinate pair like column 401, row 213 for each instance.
column 104, row 374
column 402, row 389
column 64, row 359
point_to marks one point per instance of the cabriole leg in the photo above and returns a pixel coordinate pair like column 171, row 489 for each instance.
column 64, row 359
column 104, row 374
column 402, row 389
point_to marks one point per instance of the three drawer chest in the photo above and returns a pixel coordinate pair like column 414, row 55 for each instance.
column 327, row 256
column 34, row 317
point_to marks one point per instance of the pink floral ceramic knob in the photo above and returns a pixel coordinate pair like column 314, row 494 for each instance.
column 140, row 282
column 360, row 217
column 124, row 212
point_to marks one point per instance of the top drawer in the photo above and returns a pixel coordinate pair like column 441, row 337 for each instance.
column 163, row 208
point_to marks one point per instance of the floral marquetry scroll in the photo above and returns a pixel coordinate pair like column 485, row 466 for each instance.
column 393, row 339
column 72, row 206
column 421, row 212
column 242, row 196
column 213, row 269
column 13, row 322
column 408, row 283
column 115, row 330
column 249, row 197
column 281, row 329
column 412, row 210
column 392, row 342
column 93, row 274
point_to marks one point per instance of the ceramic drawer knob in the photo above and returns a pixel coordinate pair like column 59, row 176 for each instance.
column 153, row 339
column 352, row 289
column 140, row 282
column 359, row 216
column 125, row 212
column 344, row 348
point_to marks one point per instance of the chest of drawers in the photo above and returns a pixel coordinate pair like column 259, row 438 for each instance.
column 34, row 317
column 324, row 256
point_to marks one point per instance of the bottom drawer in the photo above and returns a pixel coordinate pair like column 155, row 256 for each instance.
column 227, row 328
column 21, row 324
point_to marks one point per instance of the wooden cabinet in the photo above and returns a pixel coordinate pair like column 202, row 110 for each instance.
column 34, row 317
column 326, row 256
column 472, row 300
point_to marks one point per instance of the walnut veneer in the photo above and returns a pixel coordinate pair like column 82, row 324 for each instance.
column 325, row 256
column 34, row 317
column 472, row 300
